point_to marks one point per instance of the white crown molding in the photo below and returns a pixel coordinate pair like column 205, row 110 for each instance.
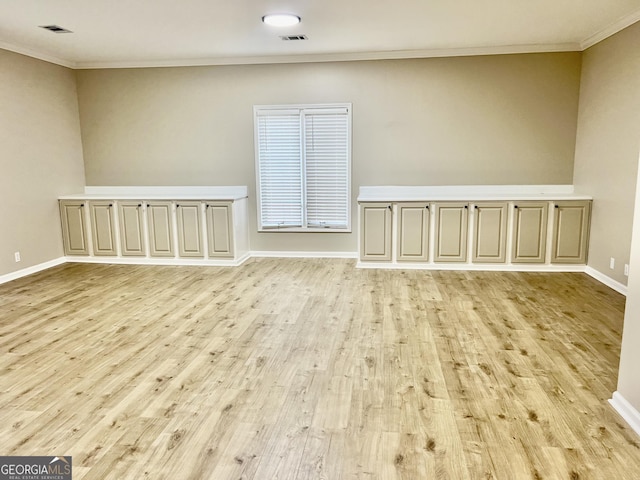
column 310, row 58
column 338, row 57
column 29, row 52
column 610, row 30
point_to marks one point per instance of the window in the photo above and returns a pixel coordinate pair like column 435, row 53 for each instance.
column 303, row 165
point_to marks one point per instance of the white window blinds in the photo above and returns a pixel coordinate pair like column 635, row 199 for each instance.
column 280, row 170
column 303, row 167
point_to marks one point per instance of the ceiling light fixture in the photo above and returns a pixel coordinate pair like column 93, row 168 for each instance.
column 281, row 19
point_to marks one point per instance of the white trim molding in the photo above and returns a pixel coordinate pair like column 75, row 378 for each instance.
column 626, row 411
column 608, row 281
column 396, row 193
column 283, row 254
column 610, row 30
column 31, row 270
column 200, row 262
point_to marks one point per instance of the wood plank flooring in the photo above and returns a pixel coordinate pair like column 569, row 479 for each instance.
column 313, row 369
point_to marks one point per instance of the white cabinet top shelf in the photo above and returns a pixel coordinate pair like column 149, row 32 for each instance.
column 160, row 193
column 393, row 193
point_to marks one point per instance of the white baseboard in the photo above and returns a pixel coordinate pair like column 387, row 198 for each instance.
column 283, row 254
column 475, row 267
column 626, row 411
column 31, row 270
column 608, row 281
column 160, row 261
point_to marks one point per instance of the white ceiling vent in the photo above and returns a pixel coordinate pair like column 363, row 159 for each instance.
column 55, row 29
column 293, row 37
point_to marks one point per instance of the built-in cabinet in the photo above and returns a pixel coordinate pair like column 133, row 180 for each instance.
column 132, row 241
column 102, row 228
column 529, row 232
column 190, row 240
column 74, row 227
column 138, row 230
column 475, row 232
column 489, row 232
column 159, row 220
column 375, row 228
column 413, row 231
column 219, row 229
column 571, row 232
column 451, row 222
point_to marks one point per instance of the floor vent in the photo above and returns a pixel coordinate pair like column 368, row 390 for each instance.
column 293, row 37
column 55, row 29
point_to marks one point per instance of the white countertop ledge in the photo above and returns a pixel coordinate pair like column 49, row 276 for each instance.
column 160, row 193
column 394, row 193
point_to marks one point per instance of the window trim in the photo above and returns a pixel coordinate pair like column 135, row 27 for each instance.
column 298, row 108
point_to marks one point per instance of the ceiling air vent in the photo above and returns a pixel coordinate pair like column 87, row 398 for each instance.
column 55, row 29
column 293, row 37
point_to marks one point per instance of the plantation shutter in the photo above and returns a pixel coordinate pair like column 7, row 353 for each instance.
column 280, row 168
column 326, row 160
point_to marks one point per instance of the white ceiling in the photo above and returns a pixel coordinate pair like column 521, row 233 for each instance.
column 120, row 33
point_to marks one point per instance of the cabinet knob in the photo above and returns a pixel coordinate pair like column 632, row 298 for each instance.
column 110, row 205
column 82, row 204
column 206, row 206
column 515, row 206
column 466, row 206
column 139, row 205
column 475, row 207
column 389, row 207
column 427, row 207
column 555, row 206
column 177, row 205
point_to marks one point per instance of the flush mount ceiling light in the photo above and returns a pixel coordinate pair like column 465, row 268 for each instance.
column 281, row 19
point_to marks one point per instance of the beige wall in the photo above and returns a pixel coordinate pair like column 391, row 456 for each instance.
column 40, row 156
column 607, row 145
column 475, row 120
column 606, row 166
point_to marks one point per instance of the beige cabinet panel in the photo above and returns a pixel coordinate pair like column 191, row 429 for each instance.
column 189, row 229
column 529, row 232
column 375, row 231
column 413, row 232
column 131, row 229
column 103, row 233
column 220, row 229
column 570, row 231
column 451, row 232
column 74, row 231
column 160, row 224
column 490, row 232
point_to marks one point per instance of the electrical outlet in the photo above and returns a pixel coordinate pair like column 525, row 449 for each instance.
column 626, row 269
column 612, row 263
column 17, row 256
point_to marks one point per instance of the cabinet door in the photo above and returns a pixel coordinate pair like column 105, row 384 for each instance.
column 413, row 232
column 489, row 233
column 74, row 232
column 451, row 232
column 375, row 231
column 160, row 224
column 131, row 229
column 103, row 234
column 529, row 232
column 220, row 229
column 189, row 229
column 570, row 232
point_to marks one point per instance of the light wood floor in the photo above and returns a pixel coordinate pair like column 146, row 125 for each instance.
column 312, row 369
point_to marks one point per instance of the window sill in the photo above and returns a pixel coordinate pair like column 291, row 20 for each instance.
column 304, row 230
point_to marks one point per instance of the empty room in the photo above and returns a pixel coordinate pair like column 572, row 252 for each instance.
column 297, row 240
